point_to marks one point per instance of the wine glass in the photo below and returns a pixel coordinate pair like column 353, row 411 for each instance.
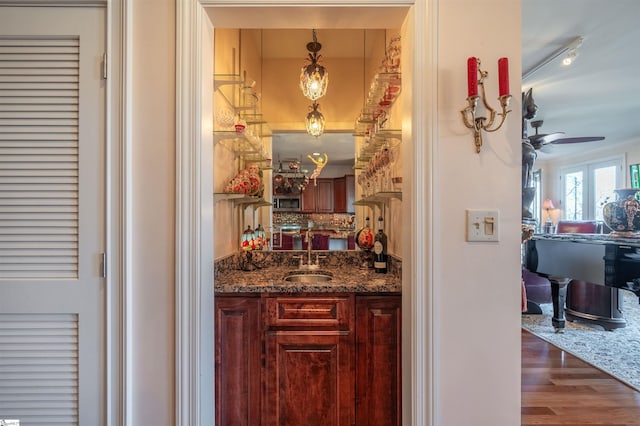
column 384, row 167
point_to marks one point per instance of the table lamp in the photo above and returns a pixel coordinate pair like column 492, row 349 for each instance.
column 547, row 205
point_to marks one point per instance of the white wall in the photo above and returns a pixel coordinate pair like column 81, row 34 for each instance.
column 153, row 164
column 478, row 284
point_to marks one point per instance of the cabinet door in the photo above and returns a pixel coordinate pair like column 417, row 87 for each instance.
column 309, row 378
column 237, row 364
column 378, row 360
column 308, row 198
column 324, row 196
column 350, row 187
column 340, row 195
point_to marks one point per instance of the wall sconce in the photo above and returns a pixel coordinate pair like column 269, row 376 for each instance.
column 473, row 115
column 547, row 206
column 314, row 78
column 314, row 121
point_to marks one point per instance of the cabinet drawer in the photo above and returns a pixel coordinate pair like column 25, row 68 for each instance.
column 334, row 312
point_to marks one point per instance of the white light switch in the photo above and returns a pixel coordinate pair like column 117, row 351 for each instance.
column 483, row 225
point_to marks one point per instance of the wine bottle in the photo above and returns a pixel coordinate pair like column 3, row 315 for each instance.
column 380, row 249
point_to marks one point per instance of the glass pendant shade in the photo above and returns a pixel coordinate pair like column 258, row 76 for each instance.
column 314, row 80
column 315, row 121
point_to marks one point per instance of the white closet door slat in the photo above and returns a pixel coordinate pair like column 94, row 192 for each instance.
column 39, row 368
column 39, row 88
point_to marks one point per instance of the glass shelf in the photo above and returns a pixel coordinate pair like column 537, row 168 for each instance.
column 379, row 198
column 248, row 147
column 241, row 199
column 219, row 196
column 252, row 202
column 388, row 136
column 240, row 97
column 220, row 80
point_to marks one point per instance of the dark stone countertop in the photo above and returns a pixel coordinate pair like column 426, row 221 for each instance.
column 630, row 240
column 346, row 279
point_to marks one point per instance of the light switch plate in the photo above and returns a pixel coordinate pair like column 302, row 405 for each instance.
column 483, row 225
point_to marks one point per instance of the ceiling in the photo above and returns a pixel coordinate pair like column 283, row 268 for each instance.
column 599, row 94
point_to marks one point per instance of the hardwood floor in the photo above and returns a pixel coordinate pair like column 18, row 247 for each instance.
column 560, row 389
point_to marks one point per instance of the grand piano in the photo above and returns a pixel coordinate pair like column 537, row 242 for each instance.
column 596, row 258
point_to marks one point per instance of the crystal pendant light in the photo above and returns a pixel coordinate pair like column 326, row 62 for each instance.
column 314, row 121
column 314, row 78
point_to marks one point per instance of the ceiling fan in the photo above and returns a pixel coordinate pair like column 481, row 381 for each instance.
column 538, row 140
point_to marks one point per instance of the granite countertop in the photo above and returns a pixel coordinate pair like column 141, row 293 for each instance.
column 271, row 279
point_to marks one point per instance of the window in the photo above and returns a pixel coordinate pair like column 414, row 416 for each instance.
column 587, row 187
column 573, row 199
column 536, row 205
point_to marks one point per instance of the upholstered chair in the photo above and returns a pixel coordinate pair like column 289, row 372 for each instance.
column 535, row 289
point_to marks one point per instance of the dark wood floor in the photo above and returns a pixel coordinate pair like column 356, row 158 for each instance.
column 560, row 389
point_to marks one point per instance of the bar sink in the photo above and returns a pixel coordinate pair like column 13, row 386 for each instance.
column 308, row 278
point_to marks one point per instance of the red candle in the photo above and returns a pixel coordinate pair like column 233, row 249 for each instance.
column 472, row 76
column 503, row 76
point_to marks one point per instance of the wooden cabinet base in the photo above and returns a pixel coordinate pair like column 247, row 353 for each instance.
column 238, row 352
column 308, row 360
column 378, row 356
column 309, row 379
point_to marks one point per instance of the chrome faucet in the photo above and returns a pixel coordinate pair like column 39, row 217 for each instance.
column 310, row 265
column 309, row 247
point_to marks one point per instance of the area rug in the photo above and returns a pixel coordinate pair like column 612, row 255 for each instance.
column 615, row 352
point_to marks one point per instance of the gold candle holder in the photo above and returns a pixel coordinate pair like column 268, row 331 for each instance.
column 480, row 123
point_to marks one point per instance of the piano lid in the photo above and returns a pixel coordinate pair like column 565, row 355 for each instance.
column 591, row 238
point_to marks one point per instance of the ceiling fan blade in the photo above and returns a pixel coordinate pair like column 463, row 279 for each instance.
column 547, row 148
column 579, row 139
column 539, row 140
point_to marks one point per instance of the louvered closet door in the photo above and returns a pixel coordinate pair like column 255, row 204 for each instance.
column 52, row 216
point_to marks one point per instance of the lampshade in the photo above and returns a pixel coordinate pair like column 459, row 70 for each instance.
column 314, row 78
column 314, row 121
column 248, row 240
column 548, row 204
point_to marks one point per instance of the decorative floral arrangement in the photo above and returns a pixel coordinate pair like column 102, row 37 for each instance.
column 246, row 181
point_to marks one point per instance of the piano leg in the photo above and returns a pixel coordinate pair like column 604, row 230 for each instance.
column 558, row 298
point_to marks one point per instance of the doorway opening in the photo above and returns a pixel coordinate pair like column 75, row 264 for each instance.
column 199, row 317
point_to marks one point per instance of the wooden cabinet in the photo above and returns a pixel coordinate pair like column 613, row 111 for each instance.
column 344, row 194
column 238, row 351
column 309, row 361
column 378, row 360
column 318, row 197
column 350, row 193
column 320, row 359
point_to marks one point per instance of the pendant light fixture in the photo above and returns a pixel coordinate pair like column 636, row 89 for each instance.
column 314, row 78
column 314, row 121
